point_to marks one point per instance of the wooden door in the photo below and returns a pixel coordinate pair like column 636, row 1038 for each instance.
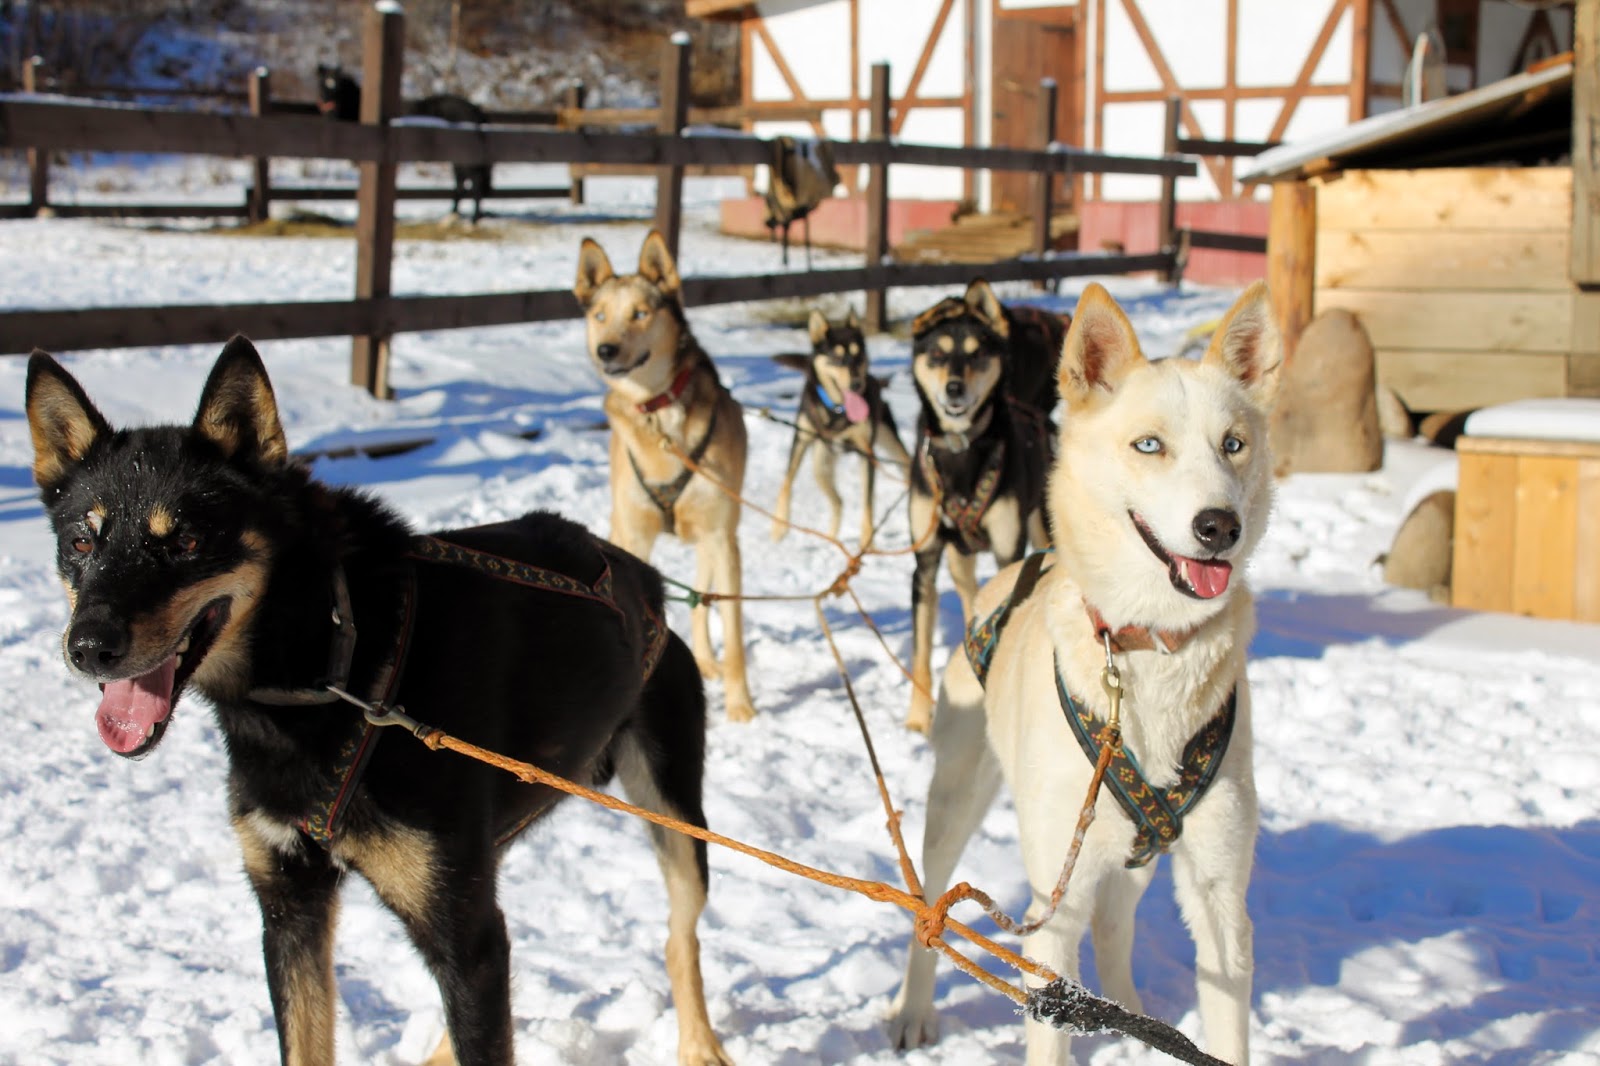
column 1031, row 44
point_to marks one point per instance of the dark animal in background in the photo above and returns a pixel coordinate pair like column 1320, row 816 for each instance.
column 842, row 409
column 339, row 97
column 204, row 556
column 985, row 375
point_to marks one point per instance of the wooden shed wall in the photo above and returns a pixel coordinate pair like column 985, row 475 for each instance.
column 1460, row 277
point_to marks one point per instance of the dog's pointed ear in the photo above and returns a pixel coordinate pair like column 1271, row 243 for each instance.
column 594, row 270
column 817, row 325
column 1100, row 348
column 984, row 303
column 656, row 265
column 63, row 423
column 238, row 412
column 1247, row 345
column 851, row 320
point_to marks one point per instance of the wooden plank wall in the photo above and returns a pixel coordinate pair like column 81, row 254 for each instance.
column 1461, row 278
column 1527, row 527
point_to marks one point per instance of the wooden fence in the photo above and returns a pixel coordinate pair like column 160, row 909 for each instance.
column 1186, row 238
column 381, row 141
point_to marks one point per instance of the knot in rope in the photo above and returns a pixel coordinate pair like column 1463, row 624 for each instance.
column 841, row 584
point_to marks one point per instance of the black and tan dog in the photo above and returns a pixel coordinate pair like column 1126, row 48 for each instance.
column 665, row 404
column 841, row 409
column 202, row 556
column 984, row 373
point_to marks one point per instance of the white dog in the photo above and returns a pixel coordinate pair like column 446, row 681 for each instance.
column 1161, row 490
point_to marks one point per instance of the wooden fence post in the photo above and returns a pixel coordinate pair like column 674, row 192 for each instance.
column 877, row 243
column 1167, row 220
column 1044, row 135
column 38, row 158
column 259, row 204
column 1292, row 258
column 573, row 98
column 383, row 52
column 674, row 117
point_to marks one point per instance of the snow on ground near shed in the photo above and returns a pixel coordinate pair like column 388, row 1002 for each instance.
column 1427, row 884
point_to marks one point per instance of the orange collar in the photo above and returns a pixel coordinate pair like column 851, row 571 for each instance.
column 679, row 383
column 1137, row 638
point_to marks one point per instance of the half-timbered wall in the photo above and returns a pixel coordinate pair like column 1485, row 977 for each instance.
column 822, row 54
column 1247, row 70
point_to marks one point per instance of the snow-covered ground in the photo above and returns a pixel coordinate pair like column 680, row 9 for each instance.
column 1427, row 884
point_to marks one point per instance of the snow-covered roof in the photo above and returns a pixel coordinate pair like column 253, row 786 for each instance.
column 1504, row 119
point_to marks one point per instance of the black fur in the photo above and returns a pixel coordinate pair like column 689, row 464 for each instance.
column 339, row 97
column 535, row 675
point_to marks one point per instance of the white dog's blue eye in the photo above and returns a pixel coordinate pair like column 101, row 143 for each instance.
column 1148, row 445
column 640, row 315
column 1232, row 445
column 599, row 316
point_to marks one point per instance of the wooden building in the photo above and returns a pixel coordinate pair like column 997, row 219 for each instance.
column 1449, row 230
column 967, row 72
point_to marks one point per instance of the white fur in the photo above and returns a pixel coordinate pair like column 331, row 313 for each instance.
column 1114, row 397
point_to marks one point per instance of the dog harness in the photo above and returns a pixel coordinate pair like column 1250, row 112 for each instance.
column 358, row 747
column 665, row 494
column 1157, row 813
column 965, row 514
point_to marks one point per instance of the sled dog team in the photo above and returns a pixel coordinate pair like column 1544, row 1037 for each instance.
column 205, row 558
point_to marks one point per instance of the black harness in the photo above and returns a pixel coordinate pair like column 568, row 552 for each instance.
column 665, row 494
column 357, row 748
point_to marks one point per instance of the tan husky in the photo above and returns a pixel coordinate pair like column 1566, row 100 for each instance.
column 1160, row 493
column 665, row 395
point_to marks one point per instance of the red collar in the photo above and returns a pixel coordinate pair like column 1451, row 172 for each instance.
column 679, row 383
column 1137, row 638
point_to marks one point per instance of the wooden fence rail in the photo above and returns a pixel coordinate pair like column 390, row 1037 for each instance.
column 381, row 141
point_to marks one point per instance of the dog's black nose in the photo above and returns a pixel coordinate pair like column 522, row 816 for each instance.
column 954, row 388
column 1216, row 528
column 97, row 644
column 608, row 352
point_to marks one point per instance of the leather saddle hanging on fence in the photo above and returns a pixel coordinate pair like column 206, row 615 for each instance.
column 800, row 176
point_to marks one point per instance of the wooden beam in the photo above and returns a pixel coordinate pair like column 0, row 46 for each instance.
column 260, row 193
column 1169, row 82
column 383, row 54
column 1302, row 81
column 921, row 68
column 1586, row 144
column 38, row 158
column 877, row 236
column 675, row 60
column 75, row 127
column 80, row 329
column 1167, row 214
column 572, row 99
column 1292, row 258
column 1044, row 134
column 1360, row 58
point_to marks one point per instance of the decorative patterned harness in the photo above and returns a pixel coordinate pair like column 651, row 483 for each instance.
column 1157, row 813
column 358, row 747
column 965, row 514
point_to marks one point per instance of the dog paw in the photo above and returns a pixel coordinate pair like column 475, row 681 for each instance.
column 710, row 669
column 703, row 1052
column 920, row 717
column 740, row 710
column 912, row 1028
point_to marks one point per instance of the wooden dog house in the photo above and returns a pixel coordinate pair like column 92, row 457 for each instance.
column 1449, row 230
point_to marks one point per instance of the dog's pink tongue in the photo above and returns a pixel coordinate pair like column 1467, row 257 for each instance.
column 1208, row 578
column 130, row 709
column 855, row 407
